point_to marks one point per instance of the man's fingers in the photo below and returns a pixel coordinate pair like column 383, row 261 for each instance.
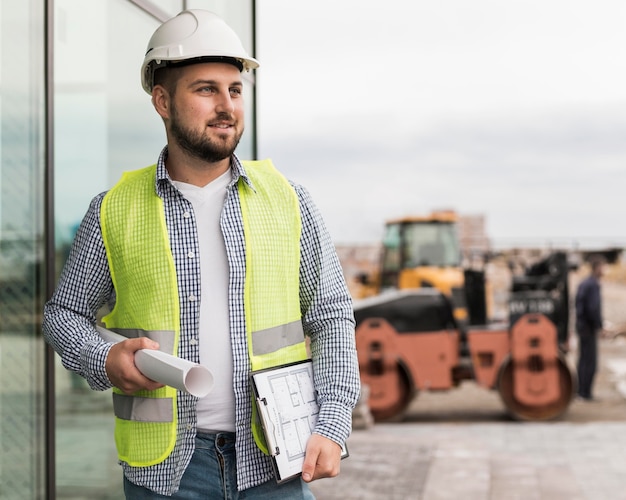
column 322, row 458
column 142, row 343
column 308, row 467
column 120, row 366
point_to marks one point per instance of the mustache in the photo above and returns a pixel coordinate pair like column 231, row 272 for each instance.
column 224, row 116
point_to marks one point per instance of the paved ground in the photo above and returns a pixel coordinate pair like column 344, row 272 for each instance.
column 481, row 461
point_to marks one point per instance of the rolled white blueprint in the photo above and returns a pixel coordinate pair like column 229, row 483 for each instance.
column 170, row 370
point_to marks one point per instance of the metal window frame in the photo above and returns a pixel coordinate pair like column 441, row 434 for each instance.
column 49, row 247
column 155, row 11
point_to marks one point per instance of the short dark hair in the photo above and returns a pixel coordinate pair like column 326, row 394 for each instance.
column 166, row 75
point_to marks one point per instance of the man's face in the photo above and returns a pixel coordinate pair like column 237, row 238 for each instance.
column 599, row 271
column 207, row 113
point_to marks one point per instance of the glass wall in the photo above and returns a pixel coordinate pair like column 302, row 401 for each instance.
column 105, row 124
column 22, row 136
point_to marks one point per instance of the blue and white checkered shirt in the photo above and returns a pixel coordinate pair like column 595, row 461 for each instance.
column 327, row 316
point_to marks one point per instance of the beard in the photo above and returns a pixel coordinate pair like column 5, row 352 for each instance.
column 198, row 145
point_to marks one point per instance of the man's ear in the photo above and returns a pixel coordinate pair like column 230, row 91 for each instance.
column 161, row 101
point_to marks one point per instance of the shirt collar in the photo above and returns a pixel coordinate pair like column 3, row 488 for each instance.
column 236, row 168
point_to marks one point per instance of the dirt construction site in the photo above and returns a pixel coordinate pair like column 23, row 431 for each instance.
column 462, row 443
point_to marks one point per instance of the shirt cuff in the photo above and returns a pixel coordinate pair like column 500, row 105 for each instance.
column 334, row 422
column 94, row 365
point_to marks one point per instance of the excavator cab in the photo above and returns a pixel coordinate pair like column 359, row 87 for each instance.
column 424, row 252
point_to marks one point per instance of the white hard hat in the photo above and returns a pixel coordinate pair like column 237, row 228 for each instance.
column 193, row 34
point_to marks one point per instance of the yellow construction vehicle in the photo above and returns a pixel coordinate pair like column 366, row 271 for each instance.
column 424, row 252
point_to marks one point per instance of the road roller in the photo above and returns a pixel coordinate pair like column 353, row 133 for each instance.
column 410, row 341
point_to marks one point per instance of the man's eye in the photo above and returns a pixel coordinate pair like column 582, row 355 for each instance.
column 236, row 91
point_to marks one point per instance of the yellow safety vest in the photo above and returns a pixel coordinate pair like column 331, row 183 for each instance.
column 142, row 268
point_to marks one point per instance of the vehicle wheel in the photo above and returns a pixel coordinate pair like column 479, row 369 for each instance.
column 390, row 394
column 520, row 411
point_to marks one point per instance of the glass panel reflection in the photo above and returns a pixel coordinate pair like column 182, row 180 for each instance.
column 21, row 250
column 104, row 125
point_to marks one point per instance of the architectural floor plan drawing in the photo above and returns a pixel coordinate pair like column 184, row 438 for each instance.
column 297, row 408
column 288, row 409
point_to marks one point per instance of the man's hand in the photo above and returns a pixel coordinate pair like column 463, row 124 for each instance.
column 603, row 333
column 322, row 458
column 121, row 369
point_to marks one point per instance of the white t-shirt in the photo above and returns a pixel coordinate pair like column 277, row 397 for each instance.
column 216, row 411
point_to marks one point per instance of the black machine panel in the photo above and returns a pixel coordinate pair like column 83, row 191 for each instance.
column 408, row 311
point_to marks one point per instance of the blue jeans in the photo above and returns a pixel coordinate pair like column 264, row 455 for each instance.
column 212, row 474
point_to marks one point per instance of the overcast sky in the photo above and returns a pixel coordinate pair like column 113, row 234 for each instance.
column 512, row 109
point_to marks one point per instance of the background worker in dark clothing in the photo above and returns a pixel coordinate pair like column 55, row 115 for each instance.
column 588, row 327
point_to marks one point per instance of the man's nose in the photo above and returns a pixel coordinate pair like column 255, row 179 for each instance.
column 224, row 103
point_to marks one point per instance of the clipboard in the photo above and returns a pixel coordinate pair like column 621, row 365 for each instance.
column 287, row 406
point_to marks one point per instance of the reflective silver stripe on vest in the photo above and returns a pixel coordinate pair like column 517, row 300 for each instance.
column 277, row 337
column 165, row 338
column 142, row 409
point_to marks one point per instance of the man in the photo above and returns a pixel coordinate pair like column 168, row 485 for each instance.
column 217, row 262
column 588, row 327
